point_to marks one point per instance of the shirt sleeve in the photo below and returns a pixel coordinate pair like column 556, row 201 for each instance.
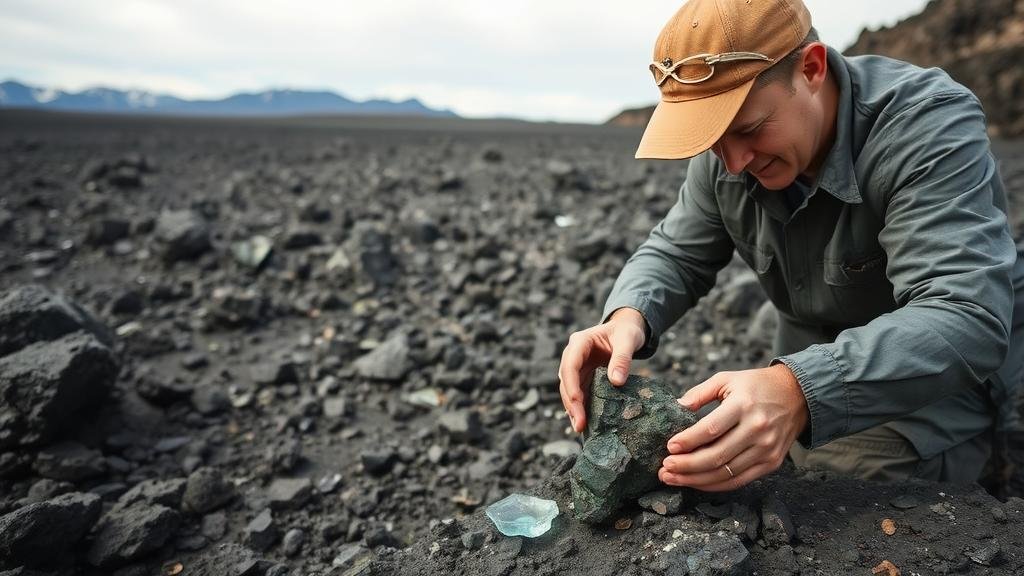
column 678, row 262
column 949, row 259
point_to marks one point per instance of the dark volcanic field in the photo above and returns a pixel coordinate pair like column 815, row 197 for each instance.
column 390, row 365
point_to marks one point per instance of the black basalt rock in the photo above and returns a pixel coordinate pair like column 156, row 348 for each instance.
column 628, row 428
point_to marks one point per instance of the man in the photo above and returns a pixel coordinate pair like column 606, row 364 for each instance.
column 863, row 193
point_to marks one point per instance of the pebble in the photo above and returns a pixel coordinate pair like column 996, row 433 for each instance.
column 663, row 502
column 777, row 526
column 207, row 490
column 214, row 526
column 462, row 425
column 289, row 493
column 261, row 533
column 329, row 483
column 292, row 542
column 378, row 461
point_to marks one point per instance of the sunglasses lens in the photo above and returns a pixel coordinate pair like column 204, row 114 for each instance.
column 694, row 71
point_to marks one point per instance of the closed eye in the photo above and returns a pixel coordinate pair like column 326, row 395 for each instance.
column 752, row 129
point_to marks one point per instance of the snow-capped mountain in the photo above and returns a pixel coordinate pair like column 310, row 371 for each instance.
column 14, row 94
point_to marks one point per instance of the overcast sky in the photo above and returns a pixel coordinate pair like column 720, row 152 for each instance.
column 566, row 60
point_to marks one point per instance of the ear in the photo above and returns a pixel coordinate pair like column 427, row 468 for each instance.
column 813, row 68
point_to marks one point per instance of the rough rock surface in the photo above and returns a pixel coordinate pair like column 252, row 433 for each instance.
column 32, row 313
column 389, row 361
column 206, row 490
column 231, row 560
column 50, row 387
column 627, row 430
column 130, row 533
column 150, row 492
column 184, row 234
column 44, row 534
column 980, row 43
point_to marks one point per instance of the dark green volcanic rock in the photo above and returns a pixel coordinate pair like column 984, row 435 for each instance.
column 628, row 428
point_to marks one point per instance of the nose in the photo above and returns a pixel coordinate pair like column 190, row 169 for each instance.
column 734, row 153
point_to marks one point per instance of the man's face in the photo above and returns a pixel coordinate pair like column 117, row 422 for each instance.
column 776, row 135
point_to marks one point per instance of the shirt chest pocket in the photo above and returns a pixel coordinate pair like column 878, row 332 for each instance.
column 857, row 288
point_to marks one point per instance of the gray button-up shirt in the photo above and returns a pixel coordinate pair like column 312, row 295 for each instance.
column 899, row 289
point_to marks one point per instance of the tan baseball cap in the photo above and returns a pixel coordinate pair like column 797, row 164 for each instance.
column 705, row 62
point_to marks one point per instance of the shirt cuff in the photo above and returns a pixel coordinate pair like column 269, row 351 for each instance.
column 821, row 380
column 650, row 339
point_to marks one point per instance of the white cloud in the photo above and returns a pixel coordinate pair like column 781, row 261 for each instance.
column 569, row 59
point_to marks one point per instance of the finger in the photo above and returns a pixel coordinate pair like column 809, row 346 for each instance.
column 711, row 457
column 707, row 391
column 573, row 358
column 569, row 380
column 715, row 476
column 624, row 344
column 573, row 402
column 579, row 419
column 740, row 480
column 707, row 429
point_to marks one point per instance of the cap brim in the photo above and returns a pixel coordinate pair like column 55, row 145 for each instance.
column 684, row 129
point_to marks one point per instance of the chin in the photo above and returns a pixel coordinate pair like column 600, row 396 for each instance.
column 777, row 176
column 775, row 183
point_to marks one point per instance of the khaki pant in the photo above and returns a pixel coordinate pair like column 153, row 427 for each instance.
column 882, row 454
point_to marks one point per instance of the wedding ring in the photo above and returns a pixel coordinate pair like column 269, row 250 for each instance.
column 729, row 470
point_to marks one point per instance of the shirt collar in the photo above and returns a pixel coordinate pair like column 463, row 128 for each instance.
column 837, row 175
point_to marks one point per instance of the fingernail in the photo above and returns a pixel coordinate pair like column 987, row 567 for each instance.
column 572, row 421
column 618, row 375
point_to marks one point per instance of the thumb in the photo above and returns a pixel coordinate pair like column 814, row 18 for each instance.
column 623, row 346
column 704, row 392
column 618, row 367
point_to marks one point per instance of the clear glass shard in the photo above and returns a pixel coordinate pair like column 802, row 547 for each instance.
column 522, row 515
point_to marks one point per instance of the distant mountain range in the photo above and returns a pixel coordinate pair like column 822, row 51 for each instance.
column 14, row 94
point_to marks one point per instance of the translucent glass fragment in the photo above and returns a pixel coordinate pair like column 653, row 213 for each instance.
column 522, row 515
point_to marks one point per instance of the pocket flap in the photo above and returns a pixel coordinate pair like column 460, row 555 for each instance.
column 758, row 259
column 855, row 270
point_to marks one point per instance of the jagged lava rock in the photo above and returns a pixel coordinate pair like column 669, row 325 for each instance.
column 32, row 313
column 390, row 361
column 48, row 388
column 127, row 534
column 628, row 428
column 44, row 534
column 184, row 234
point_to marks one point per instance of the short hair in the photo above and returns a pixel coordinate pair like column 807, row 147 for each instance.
column 782, row 71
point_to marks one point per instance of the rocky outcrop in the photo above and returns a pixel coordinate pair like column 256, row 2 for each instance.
column 632, row 117
column 980, row 43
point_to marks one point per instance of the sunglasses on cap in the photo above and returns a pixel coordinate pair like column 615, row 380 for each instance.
column 668, row 69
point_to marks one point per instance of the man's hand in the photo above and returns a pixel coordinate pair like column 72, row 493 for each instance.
column 611, row 343
column 761, row 413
